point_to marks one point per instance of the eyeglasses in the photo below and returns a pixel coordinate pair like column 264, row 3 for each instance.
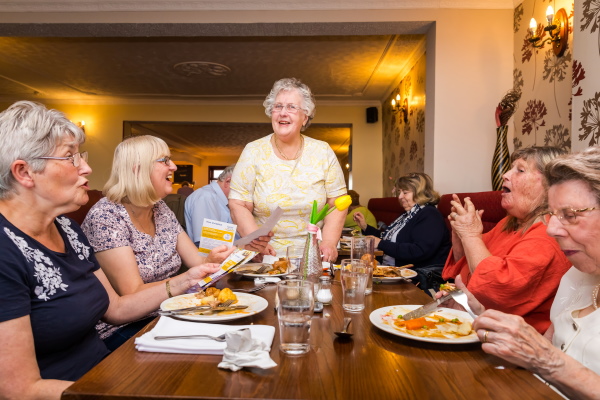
column 75, row 158
column 166, row 160
column 291, row 108
column 567, row 216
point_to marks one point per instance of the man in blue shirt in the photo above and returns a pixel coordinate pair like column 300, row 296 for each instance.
column 210, row 202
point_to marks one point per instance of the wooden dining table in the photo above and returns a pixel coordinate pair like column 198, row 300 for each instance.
column 373, row 364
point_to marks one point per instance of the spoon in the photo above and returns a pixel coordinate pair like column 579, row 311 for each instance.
column 344, row 333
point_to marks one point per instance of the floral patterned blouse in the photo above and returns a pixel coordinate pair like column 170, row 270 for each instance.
column 108, row 226
column 261, row 178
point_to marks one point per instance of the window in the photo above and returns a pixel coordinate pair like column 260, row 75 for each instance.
column 214, row 172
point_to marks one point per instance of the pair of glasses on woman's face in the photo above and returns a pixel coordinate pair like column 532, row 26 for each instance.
column 165, row 160
column 75, row 158
column 566, row 216
column 291, row 108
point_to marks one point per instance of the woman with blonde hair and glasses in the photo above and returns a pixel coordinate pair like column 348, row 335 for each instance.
column 419, row 236
column 137, row 239
column 289, row 170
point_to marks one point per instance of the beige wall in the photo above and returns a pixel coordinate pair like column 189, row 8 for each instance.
column 469, row 67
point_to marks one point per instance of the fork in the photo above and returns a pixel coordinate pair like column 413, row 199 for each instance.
column 218, row 307
column 220, row 338
column 251, row 290
column 261, row 269
column 461, row 298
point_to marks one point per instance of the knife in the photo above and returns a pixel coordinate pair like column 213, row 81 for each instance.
column 426, row 309
column 200, row 308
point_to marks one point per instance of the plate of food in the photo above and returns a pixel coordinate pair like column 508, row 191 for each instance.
column 255, row 305
column 444, row 325
column 255, row 270
column 389, row 274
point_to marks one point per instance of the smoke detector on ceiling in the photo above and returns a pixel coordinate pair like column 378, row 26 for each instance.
column 190, row 68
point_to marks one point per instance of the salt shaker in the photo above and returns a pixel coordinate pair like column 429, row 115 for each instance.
column 324, row 292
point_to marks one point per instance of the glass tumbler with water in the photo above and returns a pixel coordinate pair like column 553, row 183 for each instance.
column 296, row 303
column 363, row 248
column 353, row 275
column 294, row 258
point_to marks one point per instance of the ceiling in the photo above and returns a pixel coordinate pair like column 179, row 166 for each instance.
column 342, row 63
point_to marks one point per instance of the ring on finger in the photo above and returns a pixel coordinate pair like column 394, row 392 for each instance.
column 485, row 335
column 454, row 215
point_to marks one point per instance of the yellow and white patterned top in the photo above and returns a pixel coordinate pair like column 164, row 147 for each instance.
column 263, row 179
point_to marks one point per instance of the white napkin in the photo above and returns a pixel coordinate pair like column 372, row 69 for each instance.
column 244, row 351
column 269, row 259
column 171, row 327
column 270, row 279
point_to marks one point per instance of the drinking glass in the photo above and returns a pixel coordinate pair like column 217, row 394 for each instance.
column 363, row 248
column 294, row 258
column 354, row 275
column 296, row 303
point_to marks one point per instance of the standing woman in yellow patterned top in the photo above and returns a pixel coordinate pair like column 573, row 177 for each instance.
column 289, row 170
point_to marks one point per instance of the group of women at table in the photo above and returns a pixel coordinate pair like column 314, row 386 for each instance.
column 69, row 292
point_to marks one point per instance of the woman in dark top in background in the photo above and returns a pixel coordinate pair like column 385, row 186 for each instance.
column 419, row 236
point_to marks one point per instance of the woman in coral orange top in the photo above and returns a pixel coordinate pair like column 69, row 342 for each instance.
column 516, row 267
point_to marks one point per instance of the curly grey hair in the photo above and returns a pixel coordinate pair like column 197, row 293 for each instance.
column 29, row 130
column 286, row 84
column 227, row 172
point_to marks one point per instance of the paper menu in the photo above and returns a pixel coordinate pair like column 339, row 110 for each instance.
column 237, row 258
column 215, row 233
column 263, row 230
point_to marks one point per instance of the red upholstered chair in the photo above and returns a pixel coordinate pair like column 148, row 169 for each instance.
column 488, row 201
column 385, row 209
column 80, row 214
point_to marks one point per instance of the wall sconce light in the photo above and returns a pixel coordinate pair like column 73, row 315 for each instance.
column 81, row 125
column 557, row 28
column 401, row 108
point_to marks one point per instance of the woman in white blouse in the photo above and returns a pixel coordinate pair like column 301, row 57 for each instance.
column 289, row 170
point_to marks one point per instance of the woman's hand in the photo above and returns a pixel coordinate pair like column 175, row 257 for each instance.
column 465, row 219
column 199, row 272
column 511, row 338
column 260, row 244
column 329, row 252
column 359, row 218
column 376, row 240
column 219, row 253
column 474, row 304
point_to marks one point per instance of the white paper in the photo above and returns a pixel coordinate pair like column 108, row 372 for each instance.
column 263, row 230
column 214, row 234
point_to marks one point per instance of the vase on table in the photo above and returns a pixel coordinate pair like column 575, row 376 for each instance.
column 501, row 159
column 311, row 267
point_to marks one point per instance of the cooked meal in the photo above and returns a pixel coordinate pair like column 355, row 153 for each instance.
column 435, row 325
column 279, row 267
column 393, row 272
column 213, row 296
column 448, row 287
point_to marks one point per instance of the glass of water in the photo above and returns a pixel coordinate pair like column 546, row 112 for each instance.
column 294, row 258
column 354, row 276
column 296, row 304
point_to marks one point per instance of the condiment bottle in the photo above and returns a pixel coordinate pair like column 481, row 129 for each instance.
column 324, row 294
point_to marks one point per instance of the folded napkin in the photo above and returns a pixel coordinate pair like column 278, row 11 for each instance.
column 266, row 279
column 171, row 327
column 244, row 351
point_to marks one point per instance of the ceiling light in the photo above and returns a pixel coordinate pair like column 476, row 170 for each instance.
column 190, row 68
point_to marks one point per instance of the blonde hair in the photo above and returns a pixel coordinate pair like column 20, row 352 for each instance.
column 421, row 185
column 133, row 163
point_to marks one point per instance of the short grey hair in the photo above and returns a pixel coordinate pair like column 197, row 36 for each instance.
column 29, row 130
column 227, row 172
column 288, row 84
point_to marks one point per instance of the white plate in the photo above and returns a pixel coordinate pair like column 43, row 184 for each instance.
column 449, row 313
column 254, row 266
column 255, row 305
column 407, row 274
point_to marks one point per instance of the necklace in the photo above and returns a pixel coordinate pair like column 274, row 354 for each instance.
column 147, row 227
column 297, row 153
column 595, row 296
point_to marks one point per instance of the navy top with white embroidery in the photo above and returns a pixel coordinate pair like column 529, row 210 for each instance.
column 59, row 292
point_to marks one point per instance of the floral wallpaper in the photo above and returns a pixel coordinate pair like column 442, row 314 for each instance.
column 403, row 142
column 544, row 114
column 586, row 75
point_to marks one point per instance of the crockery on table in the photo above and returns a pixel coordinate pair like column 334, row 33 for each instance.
column 255, row 304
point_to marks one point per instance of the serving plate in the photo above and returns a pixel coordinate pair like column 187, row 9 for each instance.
column 255, row 305
column 376, row 319
column 254, row 267
column 406, row 275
